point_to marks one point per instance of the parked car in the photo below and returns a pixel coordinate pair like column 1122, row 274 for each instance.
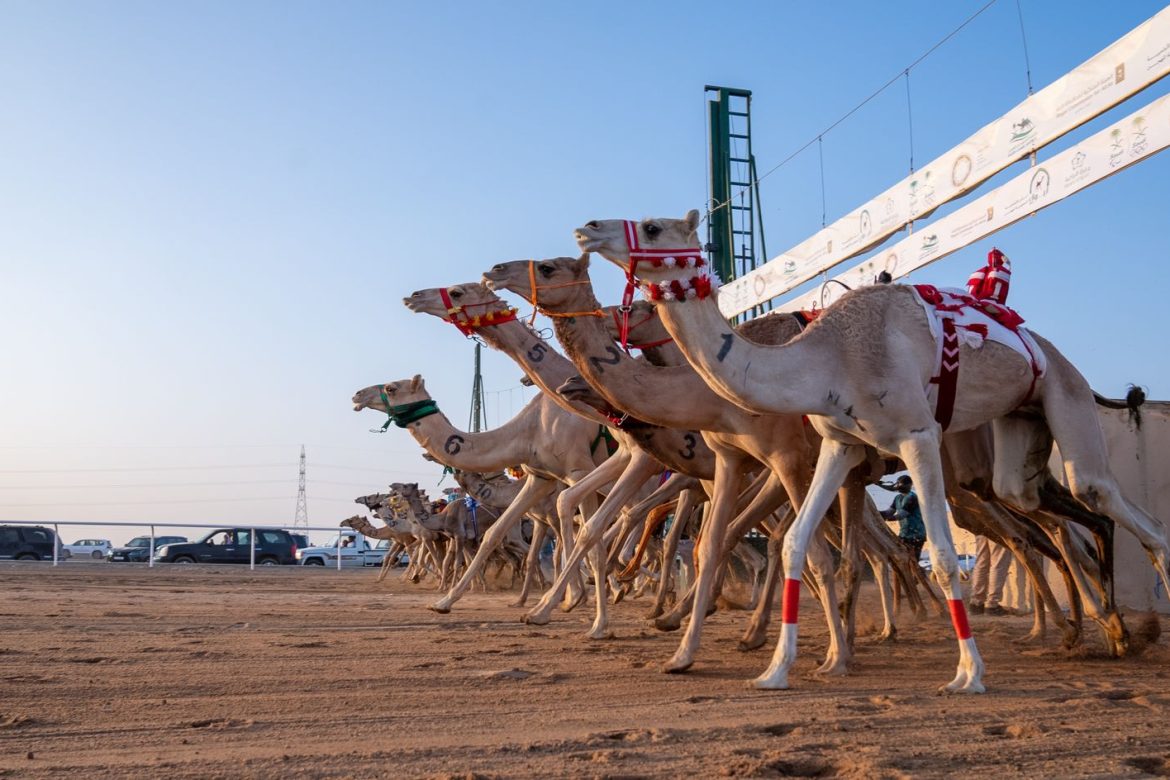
column 233, row 545
column 137, row 550
column 355, row 550
column 302, row 540
column 966, row 563
column 28, row 543
column 89, row 548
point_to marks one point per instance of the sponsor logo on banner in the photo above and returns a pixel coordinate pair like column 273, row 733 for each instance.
column 961, row 170
column 1038, row 187
column 1116, row 148
column 929, row 245
column 1023, row 132
column 866, row 224
column 1137, row 146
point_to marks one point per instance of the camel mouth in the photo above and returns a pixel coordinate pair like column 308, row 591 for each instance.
column 409, row 303
column 587, row 243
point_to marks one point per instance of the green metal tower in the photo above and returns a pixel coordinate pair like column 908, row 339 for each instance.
column 735, row 227
column 477, row 422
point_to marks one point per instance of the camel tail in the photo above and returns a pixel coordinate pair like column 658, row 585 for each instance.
column 654, row 518
column 1134, row 398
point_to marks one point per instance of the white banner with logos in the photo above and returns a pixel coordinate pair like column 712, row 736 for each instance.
column 1129, row 141
column 1132, row 63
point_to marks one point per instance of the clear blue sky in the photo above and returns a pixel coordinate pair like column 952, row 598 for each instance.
column 209, row 212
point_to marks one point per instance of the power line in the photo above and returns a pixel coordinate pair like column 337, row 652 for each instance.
column 905, row 71
column 122, row 469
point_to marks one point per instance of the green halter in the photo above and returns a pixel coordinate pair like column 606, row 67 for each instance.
column 403, row 415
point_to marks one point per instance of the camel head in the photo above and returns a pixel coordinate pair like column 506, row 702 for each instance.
column 466, row 306
column 664, row 255
column 355, row 522
column 577, row 389
column 562, row 283
column 372, row 501
column 377, row 397
column 646, row 329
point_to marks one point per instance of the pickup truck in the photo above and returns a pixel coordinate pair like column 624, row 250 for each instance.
column 356, row 550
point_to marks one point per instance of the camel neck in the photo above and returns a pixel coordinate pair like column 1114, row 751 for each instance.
column 547, row 368
column 670, row 396
column 491, row 450
column 793, row 378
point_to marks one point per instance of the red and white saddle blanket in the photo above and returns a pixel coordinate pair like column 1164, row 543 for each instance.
column 958, row 317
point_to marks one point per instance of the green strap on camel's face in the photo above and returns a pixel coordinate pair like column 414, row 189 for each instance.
column 403, row 415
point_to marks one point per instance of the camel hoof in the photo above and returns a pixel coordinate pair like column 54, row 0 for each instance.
column 765, row 683
column 888, row 636
column 599, row 635
column 653, row 614
column 677, row 665
column 518, row 602
column 535, row 619
column 667, row 623
column 439, row 607
column 749, row 643
column 967, row 687
column 838, row 668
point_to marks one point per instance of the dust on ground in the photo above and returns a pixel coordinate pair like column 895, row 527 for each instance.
column 193, row 671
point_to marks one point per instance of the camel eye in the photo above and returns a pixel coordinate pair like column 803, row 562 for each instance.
column 456, row 294
column 651, row 230
column 546, row 270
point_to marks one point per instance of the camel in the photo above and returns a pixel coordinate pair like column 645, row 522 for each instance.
column 650, row 448
column 495, row 492
column 861, row 372
column 974, row 510
column 401, row 528
column 675, row 395
column 549, row 442
column 451, row 526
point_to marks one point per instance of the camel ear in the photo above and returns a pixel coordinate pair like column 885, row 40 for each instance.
column 692, row 219
column 416, row 383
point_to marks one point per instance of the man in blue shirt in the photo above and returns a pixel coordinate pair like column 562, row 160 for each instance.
column 905, row 509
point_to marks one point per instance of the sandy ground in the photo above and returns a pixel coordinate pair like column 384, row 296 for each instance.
column 110, row 670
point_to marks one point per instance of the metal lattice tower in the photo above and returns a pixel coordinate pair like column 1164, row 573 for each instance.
column 735, row 228
column 301, row 519
column 477, row 422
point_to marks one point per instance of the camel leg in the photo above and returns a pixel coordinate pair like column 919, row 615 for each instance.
column 535, row 488
column 1116, row 634
column 882, row 575
column 921, row 454
column 833, row 466
column 388, row 562
column 640, row 467
column 1071, row 415
column 727, row 479
column 532, row 563
column 582, row 495
column 682, row 516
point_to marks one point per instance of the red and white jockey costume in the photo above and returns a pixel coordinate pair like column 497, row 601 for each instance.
column 971, row 318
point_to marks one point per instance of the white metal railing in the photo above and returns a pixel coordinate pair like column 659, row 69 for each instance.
column 252, row 529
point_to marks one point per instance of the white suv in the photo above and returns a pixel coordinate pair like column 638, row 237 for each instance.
column 88, row 548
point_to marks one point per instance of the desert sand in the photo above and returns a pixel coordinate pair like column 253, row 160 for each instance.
column 177, row 672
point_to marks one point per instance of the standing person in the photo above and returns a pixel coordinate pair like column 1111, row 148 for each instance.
column 905, row 509
column 991, row 567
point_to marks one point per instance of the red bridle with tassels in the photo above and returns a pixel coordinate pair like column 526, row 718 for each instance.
column 697, row 287
column 457, row 315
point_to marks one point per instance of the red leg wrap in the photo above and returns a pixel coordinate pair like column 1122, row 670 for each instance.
column 791, row 603
column 959, row 618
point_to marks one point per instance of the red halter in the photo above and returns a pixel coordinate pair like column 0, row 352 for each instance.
column 628, row 328
column 457, row 315
column 685, row 257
